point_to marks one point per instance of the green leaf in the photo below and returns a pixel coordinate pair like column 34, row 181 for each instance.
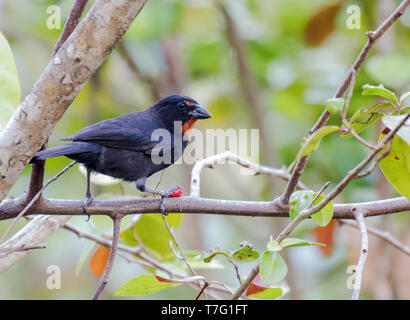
column 312, row 142
column 144, row 284
column 212, row 253
column 392, row 122
column 396, row 166
column 273, row 268
column 364, row 117
column 294, row 242
column 334, row 105
column 264, row 293
column 323, row 217
column 245, row 253
column 301, row 199
column 273, row 246
column 153, row 233
column 9, row 82
column 298, row 201
column 380, row 90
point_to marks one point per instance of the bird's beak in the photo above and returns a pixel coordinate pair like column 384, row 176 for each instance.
column 199, row 112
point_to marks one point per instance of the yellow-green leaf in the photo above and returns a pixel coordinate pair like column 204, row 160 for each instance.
column 380, row 90
column 364, row 117
column 273, row 268
column 298, row 201
column 9, row 82
column 245, row 254
column 396, row 166
column 323, row 217
column 312, row 142
column 264, row 293
column 295, row 242
column 334, row 105
column 153, row 233
column 144, row 284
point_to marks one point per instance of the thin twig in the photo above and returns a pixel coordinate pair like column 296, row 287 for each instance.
column 232, row 157
column 308, row 212
column 384, row 154
column 146, row 259
column 177, row 245
column 363, row 254
column 350, row 94
column 343, row 113
column 318, row 194
column 238, row 275
column 110, row 263
column 4, row 251
column 372, row 37
column 206, row 284
column 349, row 129
column 71, row 22
column 34, row 199
column 384, row 235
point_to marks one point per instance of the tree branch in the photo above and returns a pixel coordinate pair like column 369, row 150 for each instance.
column 72, row 66
column 34, row 199
column 188, row 205
column 336, row 191
column 113, row 251
column 372, row 37
column 363, row 253
column 228, row 155
column 32, row 122
column 37, row 169
column 384, row 235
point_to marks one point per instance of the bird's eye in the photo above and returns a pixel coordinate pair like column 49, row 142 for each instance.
column 181, row 105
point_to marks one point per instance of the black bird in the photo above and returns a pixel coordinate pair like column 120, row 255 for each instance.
column 128, row 147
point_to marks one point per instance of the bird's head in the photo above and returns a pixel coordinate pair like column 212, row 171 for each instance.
column 180, row 108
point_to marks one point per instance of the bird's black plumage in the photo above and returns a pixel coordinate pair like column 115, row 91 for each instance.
column 122, row 147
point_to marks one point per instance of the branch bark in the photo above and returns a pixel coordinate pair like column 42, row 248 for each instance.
column 72, row 66
column 364, row 248
column 37, row 169
column 189, row 205
column 65, row 75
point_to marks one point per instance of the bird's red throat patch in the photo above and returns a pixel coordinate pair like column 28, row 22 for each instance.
column 187, row 126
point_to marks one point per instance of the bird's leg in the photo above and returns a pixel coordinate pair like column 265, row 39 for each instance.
column 140, row 183
column 88, row 196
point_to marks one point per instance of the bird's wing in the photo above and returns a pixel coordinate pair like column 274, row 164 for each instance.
column 120, row 133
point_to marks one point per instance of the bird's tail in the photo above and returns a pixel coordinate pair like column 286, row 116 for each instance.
column 63, row 150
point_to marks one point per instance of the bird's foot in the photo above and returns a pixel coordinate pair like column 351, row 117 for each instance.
column 87, row 201
column 171, row 192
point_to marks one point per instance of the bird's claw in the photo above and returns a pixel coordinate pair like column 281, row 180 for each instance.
column 165, row 195
column 87, row 201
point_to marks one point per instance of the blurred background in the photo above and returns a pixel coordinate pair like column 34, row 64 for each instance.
column 254, row 64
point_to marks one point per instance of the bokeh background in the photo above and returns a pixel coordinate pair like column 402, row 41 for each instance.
column 253, row 64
